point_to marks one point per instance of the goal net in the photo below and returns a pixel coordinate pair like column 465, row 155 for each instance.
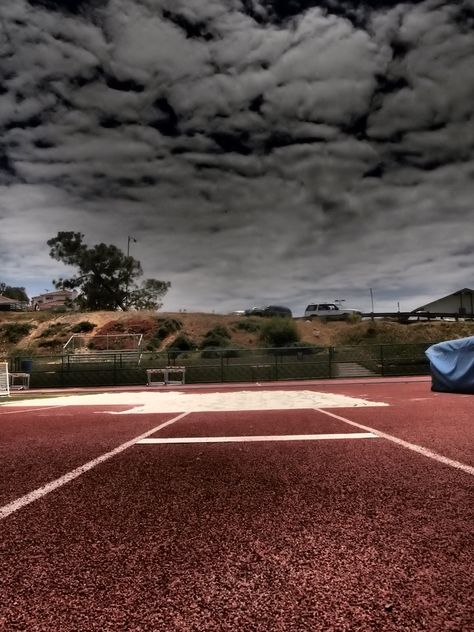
column 109, row 342
column 4, row 381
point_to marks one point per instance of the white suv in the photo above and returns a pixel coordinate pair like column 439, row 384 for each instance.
column 329, row 311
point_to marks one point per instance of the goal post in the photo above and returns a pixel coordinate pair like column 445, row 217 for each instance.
column 4, row 380
column 83, row 343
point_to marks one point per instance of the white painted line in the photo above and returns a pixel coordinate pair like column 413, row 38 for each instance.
column 6, row 510
column 406, row 444
column 31, row 410
column 254, row 438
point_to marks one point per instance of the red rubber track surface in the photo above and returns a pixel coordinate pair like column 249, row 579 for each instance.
column 41, row 445
column 442, row 422
column 248, row 423
column 356, row 535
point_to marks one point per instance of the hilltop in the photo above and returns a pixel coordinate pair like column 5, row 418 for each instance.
column 46, row 332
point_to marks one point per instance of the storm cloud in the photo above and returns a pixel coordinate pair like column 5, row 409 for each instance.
column 258, row 150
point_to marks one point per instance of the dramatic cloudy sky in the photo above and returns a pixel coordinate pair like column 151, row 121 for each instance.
column 260, row 151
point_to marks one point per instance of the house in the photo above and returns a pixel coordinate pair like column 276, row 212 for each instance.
column 53, row 300
column 10, row 304
column 460, row 303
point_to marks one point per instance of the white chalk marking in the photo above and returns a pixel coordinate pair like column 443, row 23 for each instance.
column 6, row 510
column 31, row 410
column 406, row 444
column 253, row 438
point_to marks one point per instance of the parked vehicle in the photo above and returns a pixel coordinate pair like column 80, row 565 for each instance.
column 270, row 310
column 329, row 311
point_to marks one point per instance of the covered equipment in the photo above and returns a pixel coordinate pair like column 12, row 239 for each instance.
column 452, row 365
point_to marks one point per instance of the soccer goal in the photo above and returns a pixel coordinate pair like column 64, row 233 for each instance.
column 126, row 348
column 4, row 380
column 80, row 343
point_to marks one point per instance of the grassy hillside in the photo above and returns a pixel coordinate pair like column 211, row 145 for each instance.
column 46, row 332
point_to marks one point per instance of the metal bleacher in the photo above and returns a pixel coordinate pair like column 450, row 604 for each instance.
column 101, row 357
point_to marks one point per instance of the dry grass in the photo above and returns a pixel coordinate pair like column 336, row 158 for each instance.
column 196, row 325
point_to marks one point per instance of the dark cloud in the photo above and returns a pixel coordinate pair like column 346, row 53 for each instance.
column 260, row 151
column 75, row 7
column 281, row 11
column 126, row 85
column 192, row 29
column 166, row 121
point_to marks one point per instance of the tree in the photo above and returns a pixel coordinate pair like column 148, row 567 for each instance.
column 106, row 277
column 15, row 293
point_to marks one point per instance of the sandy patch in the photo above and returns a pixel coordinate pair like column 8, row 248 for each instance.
column 176, row 401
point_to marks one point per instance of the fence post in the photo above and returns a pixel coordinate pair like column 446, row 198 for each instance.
column 277, row 375
column 330, row 359
column 222, row 365
column 115, row 369
column 382, row 368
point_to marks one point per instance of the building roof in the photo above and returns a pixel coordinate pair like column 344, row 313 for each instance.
column 55, row 293
column 10, row 301
column 464, row 290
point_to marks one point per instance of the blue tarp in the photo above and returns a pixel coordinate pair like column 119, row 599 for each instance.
column 452, row 365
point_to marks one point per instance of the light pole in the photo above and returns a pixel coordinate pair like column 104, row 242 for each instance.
column 372, row 301
column 129, row 239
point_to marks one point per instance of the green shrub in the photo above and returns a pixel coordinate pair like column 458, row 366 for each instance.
column 247, row 325
column 83, row 327
column 182, row 343
column 354, row 318
column 279, row 332
column 52, row 330
column 217, row 337
column 50, row 344
column 218, row 330
column 13, row 332
column 236, row 352
column 222, row 352
column 212, row 352
column 166, row 326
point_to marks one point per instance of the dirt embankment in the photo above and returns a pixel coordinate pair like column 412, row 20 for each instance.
column 47, row 332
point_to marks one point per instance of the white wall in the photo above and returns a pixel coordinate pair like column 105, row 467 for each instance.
column 451, row 304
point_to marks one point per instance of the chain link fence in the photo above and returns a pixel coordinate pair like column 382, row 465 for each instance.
column 115, row 368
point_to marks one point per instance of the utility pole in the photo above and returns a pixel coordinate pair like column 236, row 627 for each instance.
column 372, row 301
column 129, row 239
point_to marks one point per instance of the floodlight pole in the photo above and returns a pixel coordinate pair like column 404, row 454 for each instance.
column 372, row 301
column 129, row 239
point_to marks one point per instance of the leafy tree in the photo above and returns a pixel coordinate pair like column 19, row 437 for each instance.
column 15, row 293
column 106, row 278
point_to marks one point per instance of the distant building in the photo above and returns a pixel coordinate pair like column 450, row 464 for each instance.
column 53, row 300
column 460, row 303
column 10, row 304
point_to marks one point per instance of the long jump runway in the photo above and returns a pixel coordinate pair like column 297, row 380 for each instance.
column 343, row 507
